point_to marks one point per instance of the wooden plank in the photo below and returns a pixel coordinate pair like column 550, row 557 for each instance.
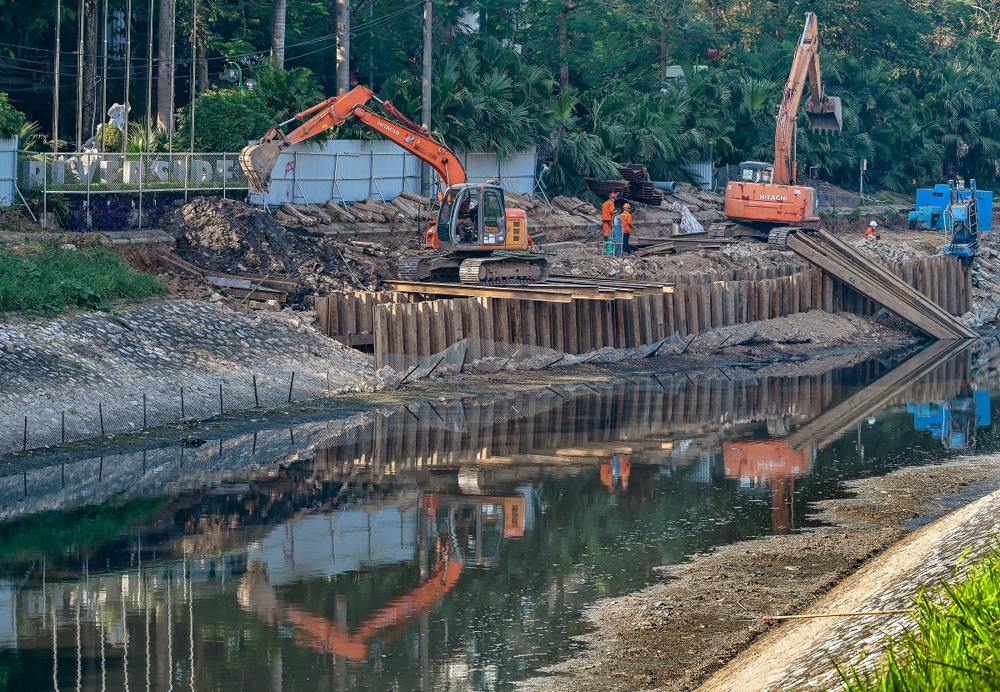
column 796, row 294
column 410, row 340
column 516, row 325
column 349, row 321
column 529, row 323
column 715, row 305
column 559, row 294
column 621, row 340
column 364, row 312
column 730, row 290
column 381, row 335
column 646, row 320
column 705, row 305
column 501, row 319
column 669, row 323
column 559, row 326
column 423, row 320
column 572, row 332
column 679, row 310
column 659, row 323
column 439, row 336
column 322, row 306
column 485, row 310
column 397, row 326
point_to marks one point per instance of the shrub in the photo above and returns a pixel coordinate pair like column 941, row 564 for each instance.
column 224, row 120
column 44, row 278
column 11, row 119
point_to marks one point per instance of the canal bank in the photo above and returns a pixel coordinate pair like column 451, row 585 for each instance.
column 439, row 540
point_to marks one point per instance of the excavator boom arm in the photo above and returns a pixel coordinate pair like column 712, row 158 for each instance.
column 258, row 160
column 824, row 111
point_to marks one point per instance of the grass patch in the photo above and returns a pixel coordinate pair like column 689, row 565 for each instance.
column 956, row 644
column 42, row 278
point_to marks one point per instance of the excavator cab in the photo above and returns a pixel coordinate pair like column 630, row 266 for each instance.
column 472, row 217
column 756, row 172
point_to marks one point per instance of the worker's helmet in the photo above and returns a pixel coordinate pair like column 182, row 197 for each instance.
column 627, row 205
column 874, row 224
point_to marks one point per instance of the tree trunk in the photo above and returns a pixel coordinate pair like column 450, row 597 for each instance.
column 278, row 32
column 165, row 71
column 90, row 118
column 202, row 66
column 343, row 46
column 563, row 46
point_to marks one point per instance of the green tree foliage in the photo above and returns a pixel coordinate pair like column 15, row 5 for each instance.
column 919, row 82
column 11, row 119
column 224, row 120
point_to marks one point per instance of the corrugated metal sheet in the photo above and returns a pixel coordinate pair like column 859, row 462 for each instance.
column 354, row 170
column 8, row 171
column 703, row 172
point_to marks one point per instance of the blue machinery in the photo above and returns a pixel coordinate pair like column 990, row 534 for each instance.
column 954, row 422
column 949, row 207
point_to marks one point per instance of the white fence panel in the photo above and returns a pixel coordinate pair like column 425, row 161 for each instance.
column 354, row 170
column 8, row 171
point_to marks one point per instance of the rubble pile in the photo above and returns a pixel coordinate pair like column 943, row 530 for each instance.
column 228, row 236
column 888, row 252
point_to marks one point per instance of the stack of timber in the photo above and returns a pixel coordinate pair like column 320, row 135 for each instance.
column 407, row 208
column 556, row 289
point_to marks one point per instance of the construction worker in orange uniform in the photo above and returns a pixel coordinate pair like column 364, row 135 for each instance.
column 608, row 213
column 626, row 228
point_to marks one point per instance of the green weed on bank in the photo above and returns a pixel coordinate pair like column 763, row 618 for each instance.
column 44, row 279
column 956, row 643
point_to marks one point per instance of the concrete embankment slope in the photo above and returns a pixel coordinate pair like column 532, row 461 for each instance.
column 800, row 654
column 87, row 374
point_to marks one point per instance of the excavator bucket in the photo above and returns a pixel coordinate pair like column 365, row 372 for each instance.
column 257, row 162
column 827, row 117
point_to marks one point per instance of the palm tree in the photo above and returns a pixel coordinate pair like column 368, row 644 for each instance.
column 278, row 32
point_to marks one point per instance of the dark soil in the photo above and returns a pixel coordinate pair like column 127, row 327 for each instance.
column 228, row 236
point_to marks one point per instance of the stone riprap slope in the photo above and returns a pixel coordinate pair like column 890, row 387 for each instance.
column 74, row 370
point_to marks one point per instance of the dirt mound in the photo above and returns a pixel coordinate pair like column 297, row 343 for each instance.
column 229, row 236
column 235, row 231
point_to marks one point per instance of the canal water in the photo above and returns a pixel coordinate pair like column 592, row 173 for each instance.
column 450, row 544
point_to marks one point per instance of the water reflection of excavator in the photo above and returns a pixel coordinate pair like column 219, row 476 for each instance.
column 469, row 531
column 484, row 242
column 756, row 463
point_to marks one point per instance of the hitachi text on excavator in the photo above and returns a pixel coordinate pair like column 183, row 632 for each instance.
column 767, row 193
column 477, row 238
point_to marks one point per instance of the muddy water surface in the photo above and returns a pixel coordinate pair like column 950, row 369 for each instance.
column 446, row 544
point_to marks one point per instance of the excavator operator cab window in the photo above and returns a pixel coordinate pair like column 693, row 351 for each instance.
column 494, row 221
column 467, row 216
column 756, row 172
column 448, row 205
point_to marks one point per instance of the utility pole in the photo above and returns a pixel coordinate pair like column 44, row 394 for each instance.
column 194, row 62
column 128, row 69
column 104, row 79
column 55, row 79
column 79, row 78
column 343, row 46
column 149, row 78
column 425, row 82
column 165, row 66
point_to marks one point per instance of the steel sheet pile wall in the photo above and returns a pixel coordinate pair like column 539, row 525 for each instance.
column 396, row 324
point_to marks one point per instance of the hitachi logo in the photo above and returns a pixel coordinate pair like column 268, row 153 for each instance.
column 387, row 128
column 775, row 198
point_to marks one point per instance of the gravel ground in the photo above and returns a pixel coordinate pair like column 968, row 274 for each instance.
column 673, row 635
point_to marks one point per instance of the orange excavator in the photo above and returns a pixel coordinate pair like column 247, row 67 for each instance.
column 767, row 193
column 477, row 238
